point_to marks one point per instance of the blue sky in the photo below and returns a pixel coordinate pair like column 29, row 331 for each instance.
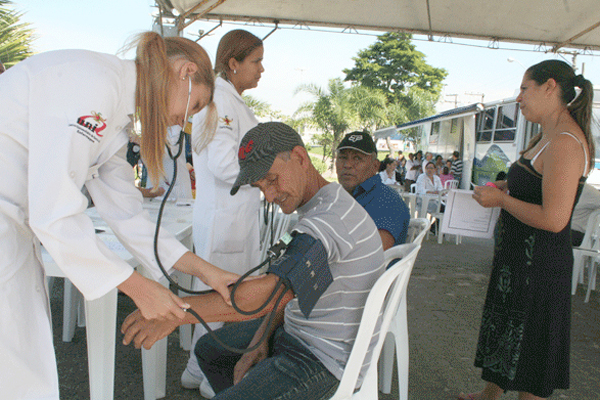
column 292, row 57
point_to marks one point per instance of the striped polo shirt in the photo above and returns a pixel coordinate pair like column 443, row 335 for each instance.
column 355, row 257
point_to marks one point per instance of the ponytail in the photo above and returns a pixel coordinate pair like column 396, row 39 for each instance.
column 201, row 137
column 153, row 79
column 154, row 76
column 579, row 106
column 581, row 111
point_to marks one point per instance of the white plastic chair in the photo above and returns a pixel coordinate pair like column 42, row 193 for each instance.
column 384, row 300
column 101, row 316
column 399, row 330
column 586, row 254
column 439, row 215
column 417, row 229
column 280, row 223
column 413, row 188
column 592, row 278
column 451, row 184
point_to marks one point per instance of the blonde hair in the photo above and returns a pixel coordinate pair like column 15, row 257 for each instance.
column 154, row 55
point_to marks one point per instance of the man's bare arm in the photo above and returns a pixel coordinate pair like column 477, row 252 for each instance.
column 386, row 239
column 210, row 307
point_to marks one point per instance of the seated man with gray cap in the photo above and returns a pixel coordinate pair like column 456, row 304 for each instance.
column 356, row 166
column 329, row 267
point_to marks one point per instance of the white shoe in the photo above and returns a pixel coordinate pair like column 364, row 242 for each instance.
column 206, row 390
column 189, row 381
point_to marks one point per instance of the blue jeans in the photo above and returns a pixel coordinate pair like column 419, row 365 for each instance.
column 290, row 372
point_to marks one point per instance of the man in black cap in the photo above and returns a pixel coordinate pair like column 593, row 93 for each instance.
column 330, row 266
column 356, row 166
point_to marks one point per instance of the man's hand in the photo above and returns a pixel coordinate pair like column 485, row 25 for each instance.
column 145, row 332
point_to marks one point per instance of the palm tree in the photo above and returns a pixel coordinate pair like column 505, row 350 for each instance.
column 370, row 106
column 16, row 38
column 331, row 112
column 260, row 108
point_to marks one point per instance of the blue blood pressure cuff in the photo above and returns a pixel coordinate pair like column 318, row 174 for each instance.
column 304, row 266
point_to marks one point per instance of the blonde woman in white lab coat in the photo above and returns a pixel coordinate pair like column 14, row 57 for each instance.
column 63, row 125
column 226, row 228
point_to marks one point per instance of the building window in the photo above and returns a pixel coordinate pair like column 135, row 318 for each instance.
column 506, row 123
column 486, row 125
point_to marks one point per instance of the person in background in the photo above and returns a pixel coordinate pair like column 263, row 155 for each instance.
column 401, row 171
column 400, row 156
column 445, row 175
column 225, row 228
column 183, row 183
column 457, row 167
column 384, row 162
column 356, row 167
column 524, row 337
column 589, row 201
column 428, row 159
column 50, row 151
column 439, row 164
column 449, row 165
column 429, row 183
column 388, row 174
column 309, row 343
column 412, row 168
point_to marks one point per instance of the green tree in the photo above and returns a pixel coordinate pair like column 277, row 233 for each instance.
column 16, row 37
column 393, row 65
column 261, row 109
column 370, row 107
column 330, row 112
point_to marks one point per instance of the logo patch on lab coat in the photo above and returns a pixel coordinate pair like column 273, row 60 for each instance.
column 91, row 126
column 226, row 122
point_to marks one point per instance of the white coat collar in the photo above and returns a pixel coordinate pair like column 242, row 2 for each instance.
column 229, row 88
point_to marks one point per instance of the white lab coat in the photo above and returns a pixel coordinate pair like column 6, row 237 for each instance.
column 183, row 183
column 226, row 230
column 63, row 116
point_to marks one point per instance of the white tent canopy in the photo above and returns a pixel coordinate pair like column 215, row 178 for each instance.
column 553, row 24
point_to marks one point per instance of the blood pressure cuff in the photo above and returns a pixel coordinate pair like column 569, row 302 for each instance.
column 304, row 266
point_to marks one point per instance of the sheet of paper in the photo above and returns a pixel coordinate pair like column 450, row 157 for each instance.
column 464, row 216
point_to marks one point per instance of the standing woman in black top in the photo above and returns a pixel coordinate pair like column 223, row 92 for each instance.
column 524, row 337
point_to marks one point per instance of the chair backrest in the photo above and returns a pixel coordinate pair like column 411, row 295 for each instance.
column 382, row 302
column 591, row 237
column 272, row 228
column 413, row 188
column 451, row 184
column 417, row 229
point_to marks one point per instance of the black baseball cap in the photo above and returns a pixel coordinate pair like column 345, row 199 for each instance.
column 258, row 150
column 360, row 141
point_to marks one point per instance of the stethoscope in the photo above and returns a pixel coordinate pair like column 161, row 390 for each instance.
column 274, row 252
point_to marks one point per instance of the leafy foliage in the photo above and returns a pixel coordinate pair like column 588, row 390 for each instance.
column 393, row 65
column 16, row 38
column 330, row 112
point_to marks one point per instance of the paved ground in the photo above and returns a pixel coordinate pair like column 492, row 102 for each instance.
column 445, row 298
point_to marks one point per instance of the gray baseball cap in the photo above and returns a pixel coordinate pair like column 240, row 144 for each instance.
column 258, row 150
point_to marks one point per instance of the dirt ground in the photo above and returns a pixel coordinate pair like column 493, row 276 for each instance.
column 445, row 299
